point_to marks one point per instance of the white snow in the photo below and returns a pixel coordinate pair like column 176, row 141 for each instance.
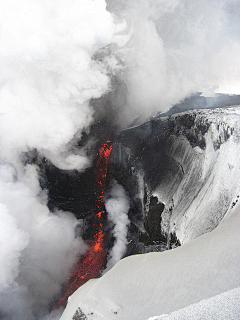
column 143, row 286
column 224, row 306
column 210, row 183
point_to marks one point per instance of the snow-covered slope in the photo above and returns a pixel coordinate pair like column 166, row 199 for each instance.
column 210, row 181
column 224, row 306
column 142, row 286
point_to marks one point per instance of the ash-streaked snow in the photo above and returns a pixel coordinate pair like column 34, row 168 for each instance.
column 211, row 179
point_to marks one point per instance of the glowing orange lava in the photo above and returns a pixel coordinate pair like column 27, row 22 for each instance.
column 90, row 264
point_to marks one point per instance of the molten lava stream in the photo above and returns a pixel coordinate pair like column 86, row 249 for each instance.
column 90, row 264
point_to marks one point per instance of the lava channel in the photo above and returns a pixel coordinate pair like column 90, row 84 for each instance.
column 91, row 263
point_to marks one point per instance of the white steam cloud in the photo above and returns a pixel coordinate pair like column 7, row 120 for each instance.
column 117, row 207
column 47, row 81
column 37, row 248
column 178, row 47
column 48, row 76
column 160, row 51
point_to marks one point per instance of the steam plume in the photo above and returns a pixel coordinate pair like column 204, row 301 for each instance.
column 117, row 207
column 176, row 48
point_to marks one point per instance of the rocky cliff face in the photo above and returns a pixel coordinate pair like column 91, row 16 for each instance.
column 181, row 173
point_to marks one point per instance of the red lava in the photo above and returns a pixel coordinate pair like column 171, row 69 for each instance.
column 91, row 263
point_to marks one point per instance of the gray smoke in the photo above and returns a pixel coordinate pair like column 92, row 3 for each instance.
column 55, row 58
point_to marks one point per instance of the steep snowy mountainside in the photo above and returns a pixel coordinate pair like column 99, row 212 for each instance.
column 211, row 176
column 188, row 163
column 141, row 286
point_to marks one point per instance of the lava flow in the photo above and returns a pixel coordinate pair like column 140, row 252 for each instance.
column 90, row 264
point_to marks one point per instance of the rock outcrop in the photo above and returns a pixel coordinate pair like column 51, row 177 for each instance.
column 181, row 174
